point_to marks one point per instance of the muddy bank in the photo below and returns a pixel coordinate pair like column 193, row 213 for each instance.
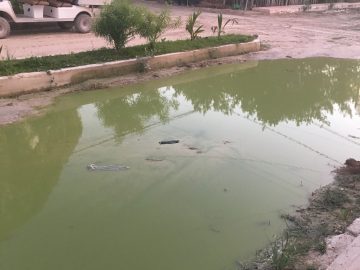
column 318, row 234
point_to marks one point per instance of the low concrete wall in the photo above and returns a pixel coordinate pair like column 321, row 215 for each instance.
column 42, row 81
column 300, row 8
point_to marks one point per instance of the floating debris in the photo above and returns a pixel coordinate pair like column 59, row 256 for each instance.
column 109, row 167
column 214, row 229
column 155, row 159
column 263, row 223
column 193, row 148
column 169, row 141
column 354, row 137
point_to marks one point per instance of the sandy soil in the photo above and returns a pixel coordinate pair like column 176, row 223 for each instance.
column 333, row 34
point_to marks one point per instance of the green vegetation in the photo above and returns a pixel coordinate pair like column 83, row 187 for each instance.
column 9, row 67
column 334, row 198
column 153, row 26
column 119, row 22
column 17, row 6
column 220, row 28
column 191, row 25
column 279, row 259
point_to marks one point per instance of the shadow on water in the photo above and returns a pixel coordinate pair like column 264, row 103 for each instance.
column 33, row 154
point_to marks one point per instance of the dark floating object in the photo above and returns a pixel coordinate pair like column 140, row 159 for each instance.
column 214, row 229
column 169, row 141
column 154, row 159
column 193, row 148
column 354, row 137
column 109, row 167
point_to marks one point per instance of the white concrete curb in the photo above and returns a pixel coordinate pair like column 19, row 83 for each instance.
column 42, row 81
column 300, row 8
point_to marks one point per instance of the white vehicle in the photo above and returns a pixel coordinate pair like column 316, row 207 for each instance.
column 67, row 13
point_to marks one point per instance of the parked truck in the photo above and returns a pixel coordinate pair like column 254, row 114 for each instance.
column 66, row 13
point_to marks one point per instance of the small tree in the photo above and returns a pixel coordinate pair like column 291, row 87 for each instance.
column 191, row 27
column 220, row 28
column 118, row 22
column 153, row 26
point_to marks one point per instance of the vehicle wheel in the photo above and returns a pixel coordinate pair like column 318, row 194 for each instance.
column 66, row 25
column 4, row 28
column 83, row 23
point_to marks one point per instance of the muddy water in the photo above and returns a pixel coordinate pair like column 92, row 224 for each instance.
column 255, row 140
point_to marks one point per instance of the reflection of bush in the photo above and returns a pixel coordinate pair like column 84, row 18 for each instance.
column 129, row 114
column 276, row 91
column 35, row 153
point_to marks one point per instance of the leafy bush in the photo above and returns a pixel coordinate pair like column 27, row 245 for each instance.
column 220, row 28
column 191, row 27
column 17, row 6
column 153, row 26
column 13, row 66
column 119, row 22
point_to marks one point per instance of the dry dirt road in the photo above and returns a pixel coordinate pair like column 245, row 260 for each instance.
column 335, row 34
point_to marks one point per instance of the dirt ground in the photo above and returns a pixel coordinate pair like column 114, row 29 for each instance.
column 333, row 34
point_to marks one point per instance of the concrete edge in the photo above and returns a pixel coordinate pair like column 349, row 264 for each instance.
column 274, row 10
column 42, row 81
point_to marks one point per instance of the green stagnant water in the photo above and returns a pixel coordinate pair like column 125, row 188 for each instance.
column 255, row 140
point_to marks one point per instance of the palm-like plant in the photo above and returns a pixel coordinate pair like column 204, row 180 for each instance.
column 191, row 27
column 220, row 28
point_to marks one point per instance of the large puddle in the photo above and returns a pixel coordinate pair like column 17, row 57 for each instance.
column 255, row 140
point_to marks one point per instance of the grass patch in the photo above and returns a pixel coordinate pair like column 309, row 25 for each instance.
column 334, row 198
column 32, row 64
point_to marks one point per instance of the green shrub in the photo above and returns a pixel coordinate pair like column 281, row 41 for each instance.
column 12, row 66
column 119, row 22
column 153, row 26
column 334, row 198
column 191, row 27
column 17, row 6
